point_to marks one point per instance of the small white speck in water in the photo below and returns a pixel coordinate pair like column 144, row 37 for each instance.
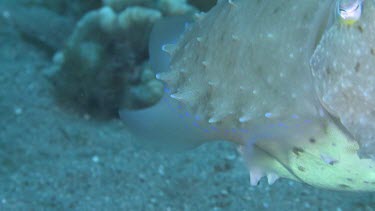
column 6, row 14
column 86, row 116
column 306, row 205
column 95, row 159
column 224, row 192
column 231, row 157
column 266, row 205
column 18, row 111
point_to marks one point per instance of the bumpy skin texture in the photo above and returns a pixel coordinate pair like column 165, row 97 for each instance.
column 255, row 68
column 343, row 66
column 245, row 65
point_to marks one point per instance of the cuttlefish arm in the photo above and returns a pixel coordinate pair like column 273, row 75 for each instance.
column 327, row 160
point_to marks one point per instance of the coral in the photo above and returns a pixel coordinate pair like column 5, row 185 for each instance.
column 119, row 5
column 104, row 65
column 167, row 7
column 102, row 57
